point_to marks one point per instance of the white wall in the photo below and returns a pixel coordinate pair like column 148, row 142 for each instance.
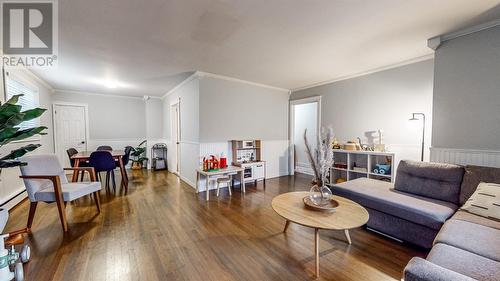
column 382, row 100
column 188, row 94
column 236, row 110
column 10, row 183
column 110, row 117
column 467, row 92
column 306, row 117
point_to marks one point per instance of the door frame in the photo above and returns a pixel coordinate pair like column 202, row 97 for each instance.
column 291, row 126
column 177, row 142
column 87, row 126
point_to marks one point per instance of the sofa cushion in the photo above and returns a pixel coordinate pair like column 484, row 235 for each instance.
column 419, row 269
column 381, row 196
column 464, row 262
column 485, row 201
column 473, row 176
column 434, row 180
column 475, row 238
column 466, row 216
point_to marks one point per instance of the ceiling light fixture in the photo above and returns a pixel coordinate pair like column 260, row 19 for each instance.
column 111, row 84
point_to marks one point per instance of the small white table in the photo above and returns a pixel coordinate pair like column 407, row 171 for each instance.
column 221, row 172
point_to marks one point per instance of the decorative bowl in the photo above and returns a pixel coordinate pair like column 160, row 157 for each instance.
column 329, row 206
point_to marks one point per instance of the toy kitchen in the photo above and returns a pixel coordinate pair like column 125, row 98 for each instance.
column 247, row 154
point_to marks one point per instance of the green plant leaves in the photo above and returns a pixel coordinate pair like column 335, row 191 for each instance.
column 10, row 117
column 24, row 134
column 10, row 163
column 33, row 113
column 16, row 153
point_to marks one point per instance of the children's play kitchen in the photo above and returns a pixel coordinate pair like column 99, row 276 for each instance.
column 246, row 162
column 247, row 154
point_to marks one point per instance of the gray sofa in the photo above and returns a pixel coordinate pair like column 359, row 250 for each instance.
column 415, row 207
column 468, row 246
column 421, row 208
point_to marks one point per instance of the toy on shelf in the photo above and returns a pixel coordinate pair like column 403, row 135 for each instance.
column 382, row 169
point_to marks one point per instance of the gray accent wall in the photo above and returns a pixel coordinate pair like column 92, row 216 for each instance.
column 110, row 117
column 467, row 92
column 382, row 100
column 234, row 110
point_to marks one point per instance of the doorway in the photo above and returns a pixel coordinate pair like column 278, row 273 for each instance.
column 304, row 114
column 176, row 135
column 70, row 129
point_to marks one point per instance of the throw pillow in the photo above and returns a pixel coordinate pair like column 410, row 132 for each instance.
column 485, row 201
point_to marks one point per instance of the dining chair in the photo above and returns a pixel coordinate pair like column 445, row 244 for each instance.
column 102, row 161
column 125, row 159
column 72, row 151
column 46, row 181
column 105, row 147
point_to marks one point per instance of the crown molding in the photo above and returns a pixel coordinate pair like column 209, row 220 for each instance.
column 436, row 41
column 222, row 77
column 75, row 92
column 371, row 71
column 201, row 74
column 184, row 82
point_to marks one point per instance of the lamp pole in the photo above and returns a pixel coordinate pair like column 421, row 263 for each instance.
column 414, row 117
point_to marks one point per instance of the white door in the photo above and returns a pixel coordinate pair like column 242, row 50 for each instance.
column 175, row 133
column 70, row 130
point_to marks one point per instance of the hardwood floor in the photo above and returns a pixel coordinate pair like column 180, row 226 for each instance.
column 163, row 230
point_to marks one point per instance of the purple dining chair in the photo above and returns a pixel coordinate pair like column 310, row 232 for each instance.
column 103, row 161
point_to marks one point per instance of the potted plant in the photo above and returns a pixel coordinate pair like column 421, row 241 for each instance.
column 138, row 156
column 11, row 117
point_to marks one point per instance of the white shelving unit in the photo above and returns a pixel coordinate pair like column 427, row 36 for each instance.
column 364, row 162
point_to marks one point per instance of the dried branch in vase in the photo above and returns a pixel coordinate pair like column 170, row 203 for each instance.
column 322, row 159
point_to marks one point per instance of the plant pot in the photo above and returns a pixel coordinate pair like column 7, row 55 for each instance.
column 136, row 166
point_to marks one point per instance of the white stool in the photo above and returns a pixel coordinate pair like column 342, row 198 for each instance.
column 227, row 181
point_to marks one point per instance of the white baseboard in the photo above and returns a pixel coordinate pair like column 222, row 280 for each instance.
column 189, row 182
column 489, row 158
column 304, row 168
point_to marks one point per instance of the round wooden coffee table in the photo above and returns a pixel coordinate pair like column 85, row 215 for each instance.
column 347, row 215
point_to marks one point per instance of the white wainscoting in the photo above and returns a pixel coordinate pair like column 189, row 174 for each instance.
column 119, row 144
column 274, row 152
column 490, row 158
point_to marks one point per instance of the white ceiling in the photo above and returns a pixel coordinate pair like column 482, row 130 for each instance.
column 147, row 47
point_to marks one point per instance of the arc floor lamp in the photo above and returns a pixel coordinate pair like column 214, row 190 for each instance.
column 416, row 118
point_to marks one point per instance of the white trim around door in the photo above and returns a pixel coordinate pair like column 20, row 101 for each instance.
column 54, row 121
column 291, row 126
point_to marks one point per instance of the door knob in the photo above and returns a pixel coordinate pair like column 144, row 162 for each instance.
column 83, row 142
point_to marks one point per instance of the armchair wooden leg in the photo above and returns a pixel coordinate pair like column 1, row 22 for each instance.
column 97, row 201
column 31, row 215
column 83, row 174
column 62, row 211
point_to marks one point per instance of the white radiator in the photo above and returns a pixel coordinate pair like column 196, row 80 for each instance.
column 488, row 158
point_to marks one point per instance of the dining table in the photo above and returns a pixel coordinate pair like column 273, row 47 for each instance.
column 84, row 156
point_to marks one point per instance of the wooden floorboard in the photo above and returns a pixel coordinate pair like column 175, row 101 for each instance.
column 163, row 230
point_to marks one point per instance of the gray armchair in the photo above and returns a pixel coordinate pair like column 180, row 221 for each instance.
column 46, row 181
